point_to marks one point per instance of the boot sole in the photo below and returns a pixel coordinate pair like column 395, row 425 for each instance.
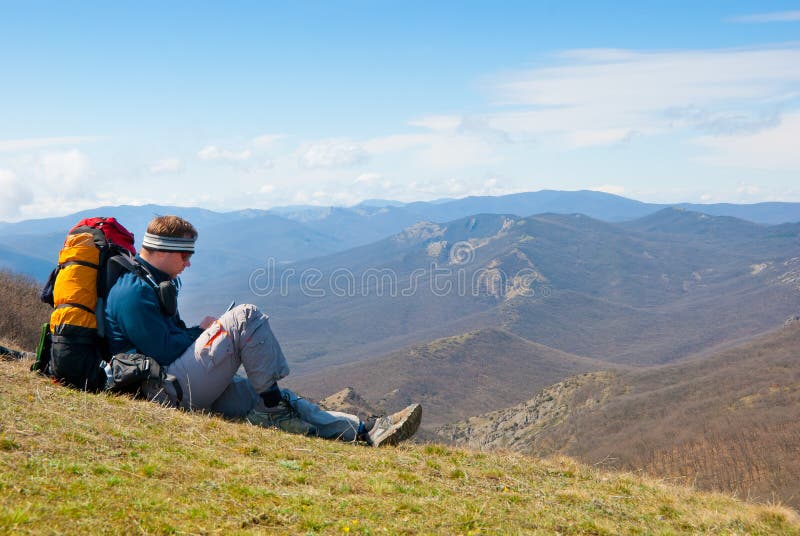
column 404, row 429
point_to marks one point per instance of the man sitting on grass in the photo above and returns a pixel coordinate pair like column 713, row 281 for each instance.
column 205, row 358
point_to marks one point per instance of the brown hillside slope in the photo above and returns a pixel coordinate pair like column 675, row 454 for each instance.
column 730, row 421
column 453, row 377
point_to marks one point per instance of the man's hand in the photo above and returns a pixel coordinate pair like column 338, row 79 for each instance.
column 207, row 321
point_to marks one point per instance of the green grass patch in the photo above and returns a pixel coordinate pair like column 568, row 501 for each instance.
column 8, row 444
column 116, row 465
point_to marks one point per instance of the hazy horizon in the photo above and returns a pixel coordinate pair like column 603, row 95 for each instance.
column 259, row 105
column 378, row 202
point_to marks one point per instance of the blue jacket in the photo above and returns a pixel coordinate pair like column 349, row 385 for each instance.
column 135, row 322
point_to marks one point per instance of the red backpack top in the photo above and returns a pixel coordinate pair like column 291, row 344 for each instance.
column 113, row 230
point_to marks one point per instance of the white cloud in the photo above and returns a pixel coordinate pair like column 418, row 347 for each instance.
column 609, row 189
column 396, row 143
column 166, row 166
column 588, row 138
column 776, row 16
column 332, row 154
column 607, row 92
column 266, row 189
column 723, row 123
column 300, row 197
column 773, row 149
column 457, row 151
column 39, row 143
column 494, row 186
column 14, row 194
column 748, row 189
column 443, row 150
column 438, row 122
column 368, row 178
column 65, row 168
column 212, row 152
column 736, row 104
column 266, row 140
column 654, row 80
column 491, row 186
column 47, row 184
column 452, row 142
column 52, row 183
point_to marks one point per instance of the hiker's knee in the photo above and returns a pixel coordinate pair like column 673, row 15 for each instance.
column 244, row 318
column 246, row 311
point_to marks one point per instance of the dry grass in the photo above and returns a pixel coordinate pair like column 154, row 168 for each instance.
column 79, row 463
column 21, row 312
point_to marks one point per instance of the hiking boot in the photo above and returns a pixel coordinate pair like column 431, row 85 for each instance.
column 282, row 417
column 392, row 429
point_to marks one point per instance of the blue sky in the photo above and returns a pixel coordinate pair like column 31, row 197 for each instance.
column 259, row 104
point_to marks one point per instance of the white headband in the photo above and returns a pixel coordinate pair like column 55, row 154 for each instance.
column 168, row 243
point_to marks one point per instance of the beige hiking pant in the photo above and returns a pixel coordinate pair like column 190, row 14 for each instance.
column 240, row 337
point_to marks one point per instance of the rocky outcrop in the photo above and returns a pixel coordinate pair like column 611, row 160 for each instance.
column 348, row 401
column 517, row 427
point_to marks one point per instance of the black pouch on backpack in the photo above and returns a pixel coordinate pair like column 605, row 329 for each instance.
column 75, row 357
column 46, row 295
column 128, row 371
column 141, row 375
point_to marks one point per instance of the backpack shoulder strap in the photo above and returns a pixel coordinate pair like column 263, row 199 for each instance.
column 121, row 263
column 166, row 292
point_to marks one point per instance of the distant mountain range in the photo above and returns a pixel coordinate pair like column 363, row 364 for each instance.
column 13, row 260
column 376, row 219
column 302, row 232
column 228, row 240
column 648, row 290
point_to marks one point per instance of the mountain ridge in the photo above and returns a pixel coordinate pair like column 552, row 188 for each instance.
column 633, row 290
column 451, row 376
column 723, row 421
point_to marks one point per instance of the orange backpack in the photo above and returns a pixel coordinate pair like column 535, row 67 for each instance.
column 77, row 289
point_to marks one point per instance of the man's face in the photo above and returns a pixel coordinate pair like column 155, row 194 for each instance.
column 177, row 263
column 171, row 263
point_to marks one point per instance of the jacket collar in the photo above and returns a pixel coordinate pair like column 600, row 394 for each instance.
column 157, row 274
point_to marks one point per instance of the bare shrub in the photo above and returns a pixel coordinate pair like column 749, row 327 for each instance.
column 21, row 312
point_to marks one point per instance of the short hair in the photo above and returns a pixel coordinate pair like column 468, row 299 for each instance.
column 173, row 226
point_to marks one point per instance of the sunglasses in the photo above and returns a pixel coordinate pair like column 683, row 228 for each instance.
column 185, row 255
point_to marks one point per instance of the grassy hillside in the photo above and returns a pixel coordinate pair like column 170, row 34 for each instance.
column 452, row 377
column 728, row 421
column 78, row 463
